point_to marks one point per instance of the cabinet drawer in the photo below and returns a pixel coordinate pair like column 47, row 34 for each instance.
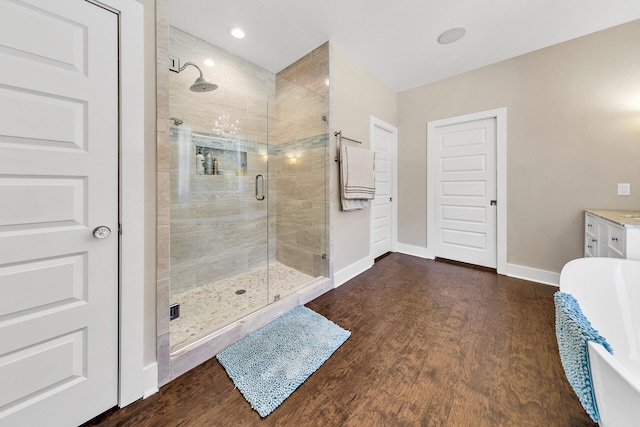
column 590, row 245
column 590, row 224
column 615, row 240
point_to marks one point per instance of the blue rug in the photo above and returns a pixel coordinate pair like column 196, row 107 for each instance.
column 268, row 365
column 574, row 331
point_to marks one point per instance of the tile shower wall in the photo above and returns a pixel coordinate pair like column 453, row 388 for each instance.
column 217, row 228
column 299, row 164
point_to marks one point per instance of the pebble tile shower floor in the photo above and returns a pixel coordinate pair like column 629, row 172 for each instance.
column 208, row 308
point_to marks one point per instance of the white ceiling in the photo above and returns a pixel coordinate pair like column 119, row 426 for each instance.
column 395, row 40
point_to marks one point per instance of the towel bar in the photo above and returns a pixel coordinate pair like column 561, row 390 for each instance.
column 339, row 136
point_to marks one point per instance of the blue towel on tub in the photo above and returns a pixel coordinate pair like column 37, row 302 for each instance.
column 574, row 331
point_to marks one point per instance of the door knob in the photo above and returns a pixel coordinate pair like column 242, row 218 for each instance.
column 101, row 232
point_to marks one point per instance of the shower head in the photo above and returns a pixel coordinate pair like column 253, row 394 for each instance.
column 201, row 84
column 176, row 121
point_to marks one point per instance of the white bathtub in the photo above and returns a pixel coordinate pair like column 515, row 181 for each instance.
column 608, row 291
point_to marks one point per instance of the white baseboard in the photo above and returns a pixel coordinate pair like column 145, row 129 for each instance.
column 351, row 271
column 517, row 271
column 150, row 380
column 418, row 251
column 533, row 274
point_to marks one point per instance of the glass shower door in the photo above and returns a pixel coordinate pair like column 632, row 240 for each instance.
column 219, row 233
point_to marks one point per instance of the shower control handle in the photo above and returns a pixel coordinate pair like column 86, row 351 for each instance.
column 260, row 197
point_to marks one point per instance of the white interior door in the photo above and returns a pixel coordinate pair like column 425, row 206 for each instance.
column 465, row 192
column 381, row 206
column 58, row 181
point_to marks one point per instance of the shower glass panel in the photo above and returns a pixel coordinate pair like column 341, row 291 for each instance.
column 248, row 228
column 298, row 172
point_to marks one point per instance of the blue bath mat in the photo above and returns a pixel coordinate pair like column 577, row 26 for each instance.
column 573, row 332
column 268, row 365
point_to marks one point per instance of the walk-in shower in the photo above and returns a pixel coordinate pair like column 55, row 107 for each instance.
column 248, row 187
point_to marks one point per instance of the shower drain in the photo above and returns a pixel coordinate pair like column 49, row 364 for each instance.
column 240, row 291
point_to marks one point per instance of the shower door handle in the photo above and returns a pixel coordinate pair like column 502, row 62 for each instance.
column 263, row 188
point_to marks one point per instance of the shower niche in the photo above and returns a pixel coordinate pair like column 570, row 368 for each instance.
column 217, row 161
column 253, row 233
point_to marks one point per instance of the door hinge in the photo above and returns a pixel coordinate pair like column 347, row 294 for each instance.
column 119, row 229
column 391, row 199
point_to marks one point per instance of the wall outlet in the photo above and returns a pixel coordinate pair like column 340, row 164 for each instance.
column 624, row 189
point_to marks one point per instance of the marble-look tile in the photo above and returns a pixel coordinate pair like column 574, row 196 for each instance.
column 184, row 248
column 310, row 187
column 311, row 239
column 286, row 187
column 183, row 218
column 162, row 145
column 295, row 211
column 257, row 256
column 288, row 73
column 319, row 158
column 224, row 264
column 313, row 74
column 320, row 214
column 179, row 185
column 163, row 199
column 163, row 351
column 162, row 306
column 162, row 251
column 319, row 265
column 297, row 258
column 183, row 277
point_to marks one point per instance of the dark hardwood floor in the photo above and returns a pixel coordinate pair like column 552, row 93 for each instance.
column 432, row 344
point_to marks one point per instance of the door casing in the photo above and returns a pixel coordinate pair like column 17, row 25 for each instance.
column 131, row 382
column 500, row 114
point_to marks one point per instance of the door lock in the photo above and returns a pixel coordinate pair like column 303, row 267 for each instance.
column 494, row 203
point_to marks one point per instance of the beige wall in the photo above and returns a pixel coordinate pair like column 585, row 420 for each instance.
column 573, row 133
column 355, row 96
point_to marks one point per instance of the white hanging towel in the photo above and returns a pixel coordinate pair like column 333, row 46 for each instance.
column 357, row 177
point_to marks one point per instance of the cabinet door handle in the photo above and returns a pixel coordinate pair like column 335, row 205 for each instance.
column 589, row 225
column 614, row 239
column 594, row 240
column 589, row 246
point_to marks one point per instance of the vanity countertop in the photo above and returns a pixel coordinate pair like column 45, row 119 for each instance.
column 628, row 219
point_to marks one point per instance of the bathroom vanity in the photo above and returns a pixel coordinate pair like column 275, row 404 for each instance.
column 613, row 234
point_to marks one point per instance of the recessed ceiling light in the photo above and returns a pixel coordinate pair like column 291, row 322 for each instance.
column 236, row 32
column 209, row 62
column 451, row 35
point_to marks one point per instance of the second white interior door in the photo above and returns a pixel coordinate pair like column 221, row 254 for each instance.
column 382, row 207
column 465, row 192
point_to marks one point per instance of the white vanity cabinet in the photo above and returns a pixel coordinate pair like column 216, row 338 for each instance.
column 613, row 234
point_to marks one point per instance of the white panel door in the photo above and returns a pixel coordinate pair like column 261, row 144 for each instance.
column 58, row 181
column 381, row 205
column 465, row 210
